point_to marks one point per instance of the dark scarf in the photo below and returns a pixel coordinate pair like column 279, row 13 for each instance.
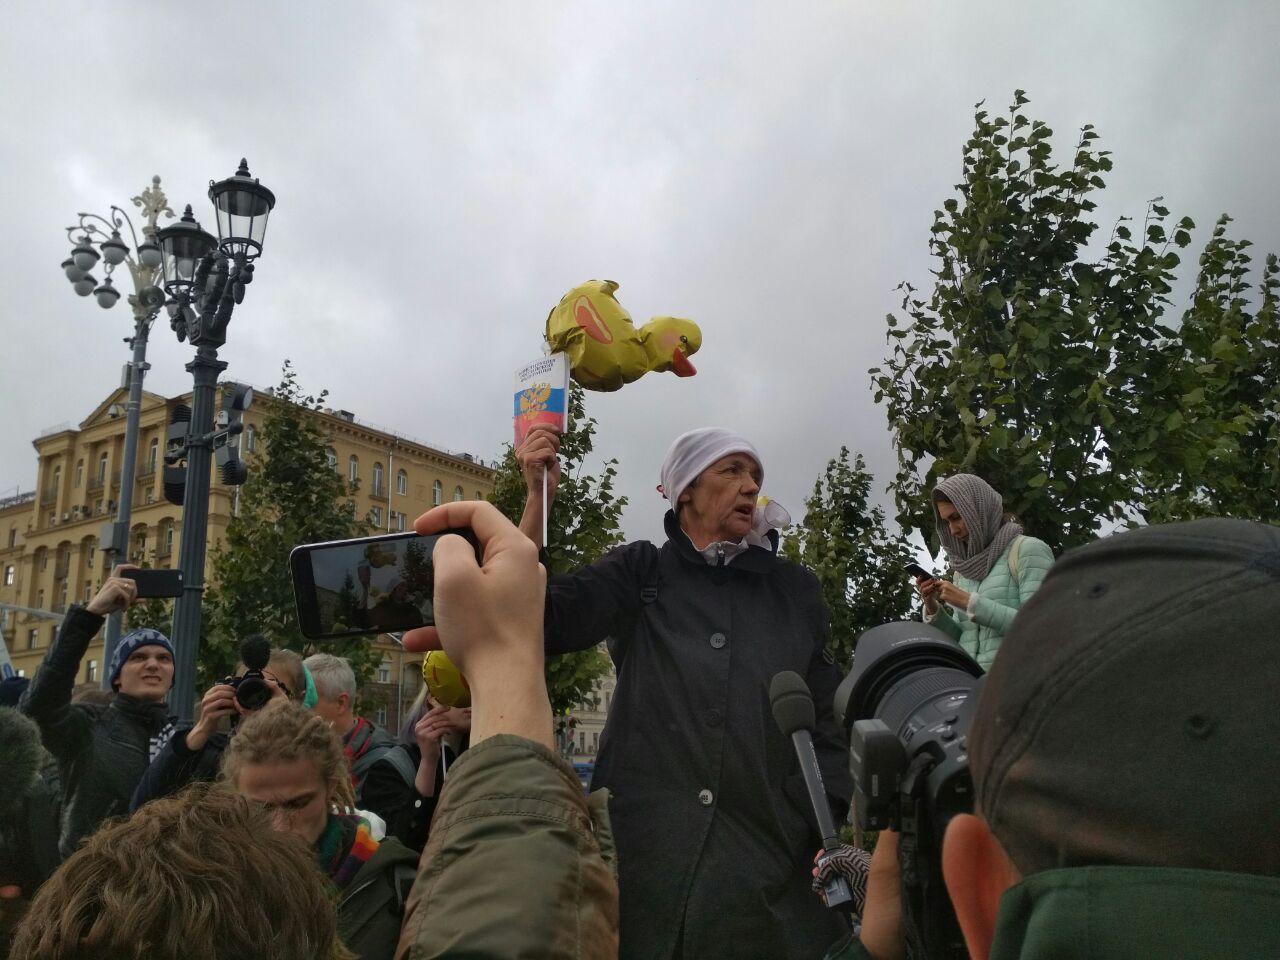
column 152, row 715
column 356, row 744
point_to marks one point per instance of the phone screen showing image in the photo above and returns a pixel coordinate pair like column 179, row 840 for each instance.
column 371, row 585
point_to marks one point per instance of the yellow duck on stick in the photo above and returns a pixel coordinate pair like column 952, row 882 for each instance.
column 604, row 347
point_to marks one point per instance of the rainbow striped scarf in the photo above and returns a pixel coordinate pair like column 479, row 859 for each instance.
column 345, row 846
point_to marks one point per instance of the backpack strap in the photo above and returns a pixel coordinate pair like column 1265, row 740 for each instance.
column 1013, row 559
column 392, row 752
column 402, row 877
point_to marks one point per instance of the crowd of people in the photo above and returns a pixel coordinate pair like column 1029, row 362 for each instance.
column 1123, row 801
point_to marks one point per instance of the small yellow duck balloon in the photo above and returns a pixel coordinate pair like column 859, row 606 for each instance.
column 604, row 347
column 445, row 682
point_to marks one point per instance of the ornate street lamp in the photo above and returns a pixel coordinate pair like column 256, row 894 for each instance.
column 205, row 280
column 143, row 262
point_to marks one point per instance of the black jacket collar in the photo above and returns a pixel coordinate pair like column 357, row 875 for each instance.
column 756, row 559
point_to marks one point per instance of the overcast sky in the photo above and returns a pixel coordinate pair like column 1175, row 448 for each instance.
column 444, row 172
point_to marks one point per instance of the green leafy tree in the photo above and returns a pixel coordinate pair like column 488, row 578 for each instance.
column 293, row 496
column 1222, row 455
column 156, row 613
column 585, row 523
column 1032, row 363
column 843, row 540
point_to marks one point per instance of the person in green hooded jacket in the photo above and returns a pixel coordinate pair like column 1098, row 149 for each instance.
column 1123, row 757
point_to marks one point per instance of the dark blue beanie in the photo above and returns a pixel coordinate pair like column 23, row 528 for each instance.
column 131, row 642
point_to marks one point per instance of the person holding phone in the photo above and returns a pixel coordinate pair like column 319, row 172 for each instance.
column 102, row 750
column 997, row 567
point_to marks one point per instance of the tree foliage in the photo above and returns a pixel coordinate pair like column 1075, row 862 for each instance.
column 1049, row 369
column 843, row 540
column 584, row 524
column 1222, row 454
column 293, row 496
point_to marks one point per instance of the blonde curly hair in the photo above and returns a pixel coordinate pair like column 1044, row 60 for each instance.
column 282, row 730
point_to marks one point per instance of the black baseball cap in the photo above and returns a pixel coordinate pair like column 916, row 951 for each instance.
column 1130, row 716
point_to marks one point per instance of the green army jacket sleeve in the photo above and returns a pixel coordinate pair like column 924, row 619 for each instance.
column 518, row 863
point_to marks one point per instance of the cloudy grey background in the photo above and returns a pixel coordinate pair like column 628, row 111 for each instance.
column 444, row 172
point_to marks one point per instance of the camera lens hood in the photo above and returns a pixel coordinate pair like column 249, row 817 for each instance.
column 888, row 653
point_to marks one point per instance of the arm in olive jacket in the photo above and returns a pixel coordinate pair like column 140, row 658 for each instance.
column 516, row 862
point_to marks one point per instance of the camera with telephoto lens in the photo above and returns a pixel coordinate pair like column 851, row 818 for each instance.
column 253, row 692
column 907, row 705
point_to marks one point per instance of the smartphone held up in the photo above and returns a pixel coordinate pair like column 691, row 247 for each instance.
column 383, row 584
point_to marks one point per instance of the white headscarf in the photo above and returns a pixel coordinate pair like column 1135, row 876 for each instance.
column 693, row 452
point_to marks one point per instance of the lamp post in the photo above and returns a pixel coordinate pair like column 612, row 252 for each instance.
column 143, row 260
column 206, row 279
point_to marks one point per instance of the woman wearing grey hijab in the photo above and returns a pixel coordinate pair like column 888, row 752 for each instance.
column 997, row 568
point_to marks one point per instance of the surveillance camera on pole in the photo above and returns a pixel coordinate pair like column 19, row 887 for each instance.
column 175, row 454
column 236, row 399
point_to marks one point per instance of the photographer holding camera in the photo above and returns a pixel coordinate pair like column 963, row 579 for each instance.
column 194, row 751
column 1122, row 757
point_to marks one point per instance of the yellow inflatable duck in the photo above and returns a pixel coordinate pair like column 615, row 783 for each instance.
column 604, row 347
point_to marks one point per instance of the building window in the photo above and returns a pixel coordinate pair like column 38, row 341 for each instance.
column 400, row 522
column 332, row 456
column 582, row 742
column 153, row 455
column 375, row 516
column 40, row 599
column 79, row 472
column 33, row 639
column 595, row 743
column 53, row 633
column 437, row 493
column 97, row 507
column 62, row 597
column 380, row 718
column 8, row 575
column 13, row 536
column 102, row 469
column 93, row 550
column 88, row 592
column 168, row 538
column 377, row 479
column 250, row 438
column 402, row 484
column 458, row 494
column 384, row 671
column 353, row 468
column 44, row 559
column 57, row 480
column 91, row 672
column 479, row 495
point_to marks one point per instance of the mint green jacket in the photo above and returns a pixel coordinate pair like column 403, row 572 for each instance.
column 1132, row 913
column 1000, row 596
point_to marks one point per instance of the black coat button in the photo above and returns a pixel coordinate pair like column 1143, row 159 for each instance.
column 713, row 718
column 718, row 640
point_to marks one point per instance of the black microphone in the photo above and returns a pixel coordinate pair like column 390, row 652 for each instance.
column 793, row 712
